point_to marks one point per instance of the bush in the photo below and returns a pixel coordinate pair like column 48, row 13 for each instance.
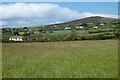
column 94, row 31
column 117, row 34
column 82, row 38
column 101, row 36
column 54, row 38
column 110, row 36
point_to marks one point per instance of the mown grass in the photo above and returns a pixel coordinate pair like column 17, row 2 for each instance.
column 74, row 59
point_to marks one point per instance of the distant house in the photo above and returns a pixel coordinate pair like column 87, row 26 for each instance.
column 79, row 27
column 102, row 24
column 95, row 27
column 16, row 38
column 6, row 30
column 67, row 28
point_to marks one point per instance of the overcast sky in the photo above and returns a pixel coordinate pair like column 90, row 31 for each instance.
column 29, row 14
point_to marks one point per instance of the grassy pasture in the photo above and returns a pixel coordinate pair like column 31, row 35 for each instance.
column 61, row 32
column 74, row 59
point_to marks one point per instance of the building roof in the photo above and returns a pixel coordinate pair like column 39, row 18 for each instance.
column 16, row 36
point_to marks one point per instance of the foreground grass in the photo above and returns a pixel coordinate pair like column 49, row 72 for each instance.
column 81, row 59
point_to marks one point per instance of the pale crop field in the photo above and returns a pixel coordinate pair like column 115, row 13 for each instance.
column 73, row 59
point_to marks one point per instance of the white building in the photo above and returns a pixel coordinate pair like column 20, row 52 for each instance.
column 79, row 27
column 67, row 28
column 95, row 27
column 102, row 24
column 16, row 38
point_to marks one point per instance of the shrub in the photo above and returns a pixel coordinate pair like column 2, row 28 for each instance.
column 101, row 36
column 94, row 31
column 117, row 34
column 109, row 36
column 82, row 38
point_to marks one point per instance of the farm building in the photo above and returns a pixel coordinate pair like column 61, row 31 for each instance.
column 16, row 38
column 79, row 27
column 95, row 27
column 102, row 24
column 67, row 28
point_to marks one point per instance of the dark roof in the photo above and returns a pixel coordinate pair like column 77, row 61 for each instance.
column 16, row 37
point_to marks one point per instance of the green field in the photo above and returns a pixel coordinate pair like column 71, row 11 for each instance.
column 61, row 32
column 74, row 59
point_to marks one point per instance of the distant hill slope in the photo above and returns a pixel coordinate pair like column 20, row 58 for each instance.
column 95, row 20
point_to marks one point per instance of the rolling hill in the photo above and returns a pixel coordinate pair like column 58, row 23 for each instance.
column 94, row 20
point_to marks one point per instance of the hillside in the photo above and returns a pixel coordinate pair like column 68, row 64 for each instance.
column 91, row 28
column 95, row 20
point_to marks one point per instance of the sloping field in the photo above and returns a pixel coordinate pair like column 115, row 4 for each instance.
column 74, row 59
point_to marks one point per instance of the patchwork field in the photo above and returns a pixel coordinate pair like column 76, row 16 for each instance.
column 74, row 59
column 61, row 32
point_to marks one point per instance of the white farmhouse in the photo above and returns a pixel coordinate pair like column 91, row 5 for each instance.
column 16, row 38
column 102, row 24
column 79, row 27
column 95, row 27
column 67, row 28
